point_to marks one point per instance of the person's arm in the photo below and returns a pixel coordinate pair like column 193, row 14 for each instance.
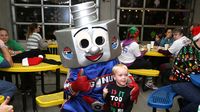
column 165, row 52
column 15, row 46
column 162, row 42
column 105, row 92
column 6, row 53
column 43, row 44
column 136, row 50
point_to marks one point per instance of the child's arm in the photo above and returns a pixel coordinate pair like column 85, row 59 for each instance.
column 135, row 89
column 105, row 92
column 134, row 92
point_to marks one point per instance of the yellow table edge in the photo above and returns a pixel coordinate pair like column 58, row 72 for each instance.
column 40, row 67
column 1, row 99
column 50, row 103
column 145, row 72
column 52, row 46
column 57, row 58
column 154, row 53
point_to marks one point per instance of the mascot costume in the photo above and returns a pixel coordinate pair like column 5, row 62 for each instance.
column 90, row 50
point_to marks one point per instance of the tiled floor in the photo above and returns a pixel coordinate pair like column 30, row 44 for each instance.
column 141, row 105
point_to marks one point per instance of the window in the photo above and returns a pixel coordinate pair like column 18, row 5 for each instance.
column 50, row 14
column 153, row 16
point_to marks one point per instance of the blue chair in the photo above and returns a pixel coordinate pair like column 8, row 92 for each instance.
column 162, row 98
column 195, row 79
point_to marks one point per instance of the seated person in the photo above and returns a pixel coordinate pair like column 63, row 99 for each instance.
column 34, row 39
column 6, row 88
column 13, row 46
column 188, row 62
column 132, row 57
column 168, row 39
column 180, row 41
column 158, row 39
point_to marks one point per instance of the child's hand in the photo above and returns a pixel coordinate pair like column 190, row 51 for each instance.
column 105, row 92
column 134, row 92
column 5, row 107
column 1, row 43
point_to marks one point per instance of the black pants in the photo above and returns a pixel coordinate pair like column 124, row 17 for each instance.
column 141, row 64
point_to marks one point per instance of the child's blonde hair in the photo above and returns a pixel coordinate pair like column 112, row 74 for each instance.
column 118, row 66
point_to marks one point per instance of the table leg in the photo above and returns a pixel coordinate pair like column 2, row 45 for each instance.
column 28, row 86
column 33, row 93
column 24, row 100
column 16, row 80
column 57, row 80
column 42, row 83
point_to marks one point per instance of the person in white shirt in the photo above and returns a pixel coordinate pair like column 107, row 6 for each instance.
column 180, row 41
column 132, row 57
column 178, row 44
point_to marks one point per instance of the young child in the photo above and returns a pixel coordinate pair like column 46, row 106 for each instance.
column 118, row 95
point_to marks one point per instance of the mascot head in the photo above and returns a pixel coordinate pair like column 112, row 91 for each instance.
column 90, row 41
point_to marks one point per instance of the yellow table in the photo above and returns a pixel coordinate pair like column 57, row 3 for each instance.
column 53, row 48
column 37, row 68
column 53, row 56
column 57, row 58
column 1, row 99
column 154, row 53
column 18, row 68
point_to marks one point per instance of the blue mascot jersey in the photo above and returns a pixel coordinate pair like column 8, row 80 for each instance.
column 99, row 76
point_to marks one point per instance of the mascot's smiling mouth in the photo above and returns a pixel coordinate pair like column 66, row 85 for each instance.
column 95, row 57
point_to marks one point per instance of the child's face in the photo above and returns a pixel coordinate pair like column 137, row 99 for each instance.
column 121, row 77
column 177, row 35
column 169, row 33
column 4, row 36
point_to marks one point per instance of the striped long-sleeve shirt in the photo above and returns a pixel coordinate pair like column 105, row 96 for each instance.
column 35, row 41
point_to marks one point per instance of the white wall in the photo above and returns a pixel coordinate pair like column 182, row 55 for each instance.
column 107, row 9
column 197, row 12
column 5, row 16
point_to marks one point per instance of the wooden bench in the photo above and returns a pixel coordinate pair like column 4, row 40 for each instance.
column 1, row 99
column 50, row 100
column 144, row 73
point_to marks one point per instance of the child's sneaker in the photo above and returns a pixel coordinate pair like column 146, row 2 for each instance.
column 150, row 85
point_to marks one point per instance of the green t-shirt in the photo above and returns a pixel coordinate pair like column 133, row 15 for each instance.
column 12, row 44
column 1, row 59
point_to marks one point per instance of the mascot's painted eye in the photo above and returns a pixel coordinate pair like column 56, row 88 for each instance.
column 84, row 40
column 114, row 42
column 100, row 37
column 84, row 43
column 67, row 53
column 99, row 40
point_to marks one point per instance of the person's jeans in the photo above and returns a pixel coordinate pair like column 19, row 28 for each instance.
column 190, row 93
column 7, row 88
